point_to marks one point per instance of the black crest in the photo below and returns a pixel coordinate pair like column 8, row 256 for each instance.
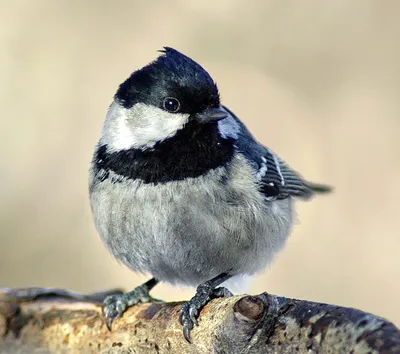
column 172, row 74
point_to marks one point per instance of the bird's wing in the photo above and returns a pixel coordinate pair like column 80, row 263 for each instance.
column 277, row 180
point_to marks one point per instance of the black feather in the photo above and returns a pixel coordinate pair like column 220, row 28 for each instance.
column 192, row 152
column 172, row 74
column 319, row 188
column 279, row 180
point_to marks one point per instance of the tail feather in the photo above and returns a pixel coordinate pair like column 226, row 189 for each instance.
column 319, row 188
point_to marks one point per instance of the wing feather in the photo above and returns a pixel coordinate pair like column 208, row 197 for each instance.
column 277, row 180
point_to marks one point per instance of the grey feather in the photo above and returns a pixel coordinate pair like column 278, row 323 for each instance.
column 289, row 182
column 180, row 189
column 187, row 232
column 190, row 231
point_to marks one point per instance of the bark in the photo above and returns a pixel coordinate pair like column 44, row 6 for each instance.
column 55, row 321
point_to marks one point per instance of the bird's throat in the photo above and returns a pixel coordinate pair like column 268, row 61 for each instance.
column 192, row 152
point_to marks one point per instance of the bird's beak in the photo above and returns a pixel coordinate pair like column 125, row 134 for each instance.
column 212, row 115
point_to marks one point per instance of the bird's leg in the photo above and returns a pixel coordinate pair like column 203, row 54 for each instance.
column 115, row 305
column 204, row 294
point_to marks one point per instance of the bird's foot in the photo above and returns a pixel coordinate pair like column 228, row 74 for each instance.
column 190, row 310
column 115, row 305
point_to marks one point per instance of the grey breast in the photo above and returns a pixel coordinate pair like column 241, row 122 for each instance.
column 190, row 231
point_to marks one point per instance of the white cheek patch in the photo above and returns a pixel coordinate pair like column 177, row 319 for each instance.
column 141, row 126
column 123, row 138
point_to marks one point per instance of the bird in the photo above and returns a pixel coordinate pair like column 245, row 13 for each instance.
column 181, row 190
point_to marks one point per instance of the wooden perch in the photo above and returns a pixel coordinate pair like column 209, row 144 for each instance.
column 55, row 321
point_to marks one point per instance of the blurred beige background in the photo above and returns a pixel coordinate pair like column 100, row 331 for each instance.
column 318, row 81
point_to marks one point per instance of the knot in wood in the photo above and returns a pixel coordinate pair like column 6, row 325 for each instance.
column 249, row 308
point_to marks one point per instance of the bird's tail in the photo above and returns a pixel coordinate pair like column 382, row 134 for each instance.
column 319, row 188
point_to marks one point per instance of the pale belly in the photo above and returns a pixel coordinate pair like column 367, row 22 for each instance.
column 189, row 232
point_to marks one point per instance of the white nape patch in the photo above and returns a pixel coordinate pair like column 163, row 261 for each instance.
column 228, row 128
column 278, row 168
column 139, row 127
column 263, row 170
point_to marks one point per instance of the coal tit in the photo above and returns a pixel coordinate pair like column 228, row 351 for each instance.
column 181, row 190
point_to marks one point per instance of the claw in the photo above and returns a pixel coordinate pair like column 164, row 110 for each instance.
column 189, row 313
column 109, row 321
column 193, row 314
column 114, row 306
column 181, row 315
column 187, row 327
column 112, row 309
column 186, row 334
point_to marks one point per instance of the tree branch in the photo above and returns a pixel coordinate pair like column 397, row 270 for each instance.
column 38, row 320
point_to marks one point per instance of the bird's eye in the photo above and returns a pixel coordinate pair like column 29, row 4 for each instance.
column 171, row 104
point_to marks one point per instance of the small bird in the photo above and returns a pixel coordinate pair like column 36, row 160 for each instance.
column 181, row 190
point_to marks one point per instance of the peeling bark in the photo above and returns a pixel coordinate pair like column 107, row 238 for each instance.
column 56, row 321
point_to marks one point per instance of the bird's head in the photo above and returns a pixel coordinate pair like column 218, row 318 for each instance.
column 159, row 100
